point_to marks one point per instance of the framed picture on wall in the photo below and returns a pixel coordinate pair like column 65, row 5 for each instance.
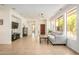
column 1, row 21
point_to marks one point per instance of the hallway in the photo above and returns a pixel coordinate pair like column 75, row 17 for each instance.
column 31, row 46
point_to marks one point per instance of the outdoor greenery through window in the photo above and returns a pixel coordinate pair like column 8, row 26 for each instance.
column 71, row 21
column 71, row 24
column 60, row 24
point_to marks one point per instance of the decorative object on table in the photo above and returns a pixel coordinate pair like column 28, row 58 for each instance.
column 49, row 31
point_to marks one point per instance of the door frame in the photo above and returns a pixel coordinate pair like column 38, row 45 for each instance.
column 44, row 29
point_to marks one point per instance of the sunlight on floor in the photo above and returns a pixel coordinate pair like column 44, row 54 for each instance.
column 31, row 45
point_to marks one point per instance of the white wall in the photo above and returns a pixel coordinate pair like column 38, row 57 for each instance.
column 52, row 22
column 48, row 25
column 37, row 23
column 74, row 43
column 30, row 27
column 71, row 42
column 5, row 29
column 16, row 17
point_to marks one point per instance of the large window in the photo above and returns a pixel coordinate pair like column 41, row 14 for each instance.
column 71, row 23
column 60, row 24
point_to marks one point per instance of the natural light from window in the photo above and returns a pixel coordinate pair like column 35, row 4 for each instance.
column 71, row 24
column 60, row 24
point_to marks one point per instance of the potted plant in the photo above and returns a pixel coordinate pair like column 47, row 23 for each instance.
column 50, row 31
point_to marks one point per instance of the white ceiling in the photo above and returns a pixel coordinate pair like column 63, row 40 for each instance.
column 34, row 10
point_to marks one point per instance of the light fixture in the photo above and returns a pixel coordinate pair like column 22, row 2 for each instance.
column 42, row 15
column 13, row 8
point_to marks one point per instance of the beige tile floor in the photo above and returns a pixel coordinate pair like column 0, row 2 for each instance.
column 32, row 46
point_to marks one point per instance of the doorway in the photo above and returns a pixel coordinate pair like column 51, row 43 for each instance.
column 33, row 30
column 42, row 29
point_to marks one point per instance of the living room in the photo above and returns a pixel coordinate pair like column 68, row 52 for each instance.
column 52, row 23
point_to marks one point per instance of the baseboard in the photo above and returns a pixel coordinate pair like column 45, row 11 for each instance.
column 73, row 50
column 66, row 46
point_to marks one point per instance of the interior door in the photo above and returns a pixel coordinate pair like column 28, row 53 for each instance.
column 42, row 29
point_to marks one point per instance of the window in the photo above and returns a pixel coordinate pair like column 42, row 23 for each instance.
column 60, row 24
column 71, row 23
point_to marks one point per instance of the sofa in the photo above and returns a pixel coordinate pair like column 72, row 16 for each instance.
column 57, row 38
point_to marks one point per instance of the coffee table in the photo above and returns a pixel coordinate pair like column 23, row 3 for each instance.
column 43, row 37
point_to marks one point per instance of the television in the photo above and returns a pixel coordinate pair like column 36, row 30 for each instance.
column 14, row 25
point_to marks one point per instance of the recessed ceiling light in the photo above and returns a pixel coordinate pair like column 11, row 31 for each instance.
column 13, row 8
column 60, row 9
column 42, row 14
